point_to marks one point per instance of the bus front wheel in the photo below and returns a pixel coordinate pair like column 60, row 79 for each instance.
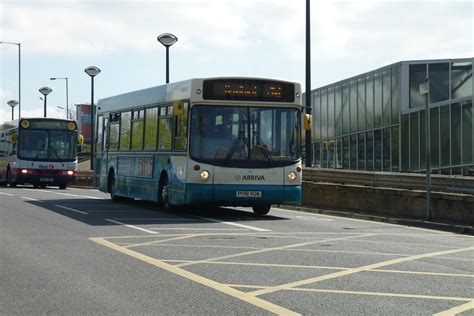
column 9, row 179
column 261, row 210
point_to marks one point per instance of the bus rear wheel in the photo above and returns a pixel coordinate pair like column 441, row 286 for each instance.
column 112, row 188
column 164, row 194
column 261, row 210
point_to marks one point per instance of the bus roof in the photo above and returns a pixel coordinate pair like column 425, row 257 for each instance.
column 15, row 123
column 165, row 93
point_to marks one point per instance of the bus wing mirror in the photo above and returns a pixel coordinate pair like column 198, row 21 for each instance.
column 307, row 122
column 80, row 139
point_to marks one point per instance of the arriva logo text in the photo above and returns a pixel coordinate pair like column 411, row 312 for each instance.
column 250, row 177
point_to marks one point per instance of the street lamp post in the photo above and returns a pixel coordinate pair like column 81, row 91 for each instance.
column 167, row 39
column 45, row 91
column 12, row 104
column 67, row 95
column 308, row 149
column 19, row 74
column 92, row 71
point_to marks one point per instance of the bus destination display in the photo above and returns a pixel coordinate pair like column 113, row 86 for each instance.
column 248, row 90
column 48, row 125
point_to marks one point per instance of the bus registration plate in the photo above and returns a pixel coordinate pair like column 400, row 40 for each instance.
column 251, row 194
column 46, row 179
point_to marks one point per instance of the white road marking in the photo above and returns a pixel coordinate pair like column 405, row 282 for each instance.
column 155, row 219
column 71, row 209
column 314, row 218
column 68, row 194
column 132, row 226
column 31, row 199
column 234, row 224
column 204, row 229
column 6, row 194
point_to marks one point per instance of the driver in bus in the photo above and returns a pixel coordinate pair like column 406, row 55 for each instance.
column 224, row 130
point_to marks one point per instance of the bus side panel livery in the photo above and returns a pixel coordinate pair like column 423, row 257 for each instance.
column 214, row 141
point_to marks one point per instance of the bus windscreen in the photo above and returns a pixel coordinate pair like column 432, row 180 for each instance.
column 248, row 90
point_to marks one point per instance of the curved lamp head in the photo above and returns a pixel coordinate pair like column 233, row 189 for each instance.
column 45, row 91
column 167, row 39
column 92, row 71
column 12, row 103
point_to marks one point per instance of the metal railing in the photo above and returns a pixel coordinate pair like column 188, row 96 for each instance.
column 410, row 181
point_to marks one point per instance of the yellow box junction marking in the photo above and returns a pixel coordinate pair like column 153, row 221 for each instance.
column 199, row 279
column 356, row 270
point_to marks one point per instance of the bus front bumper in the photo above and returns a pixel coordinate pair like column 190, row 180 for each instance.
column 242, row 195
column 58, row 178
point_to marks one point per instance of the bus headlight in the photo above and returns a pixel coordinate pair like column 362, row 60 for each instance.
column 292, row 176
column 205, row 175
column 24, row 171
column 70, row 172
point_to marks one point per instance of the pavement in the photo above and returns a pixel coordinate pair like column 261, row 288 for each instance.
column 416, row 222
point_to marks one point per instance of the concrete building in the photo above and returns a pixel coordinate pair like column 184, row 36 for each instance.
column 376, row 121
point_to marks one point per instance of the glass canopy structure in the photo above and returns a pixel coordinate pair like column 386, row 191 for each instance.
column 376, row 121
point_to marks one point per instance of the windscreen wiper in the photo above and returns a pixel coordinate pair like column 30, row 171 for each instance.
column 263, row 147
column 235, row 145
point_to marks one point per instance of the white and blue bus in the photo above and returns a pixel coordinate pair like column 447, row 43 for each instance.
column 38, row 151
column 216, row 141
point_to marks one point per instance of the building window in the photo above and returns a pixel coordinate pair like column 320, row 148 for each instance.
column 353, row 161
column 386, row 149
column 353, row 105
column 361, row 151
column 345, row 108
column 467, row 132
column 414, row 141
column 378, row 150
column 456, row 134
column 331, row 111
column 445, row 134
column 317, row 115
column 345, row 152
column 395, row 95
column 395, row 146
column 387, row 96
column 324, row 114
column 369, row 101
column 439, row 82
column 461, row 80
column 338, row 109
column 434, row 138
column 405, row 142
column 417, row 76
column 361, row 103
column 369, row 151
column 378, row 99
column 317, row 154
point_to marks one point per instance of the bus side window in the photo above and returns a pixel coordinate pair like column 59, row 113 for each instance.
column 181, row 127
column 125, row 130
column 165, row 126
column 105, row 137
column 114, row 129
column 99, row 134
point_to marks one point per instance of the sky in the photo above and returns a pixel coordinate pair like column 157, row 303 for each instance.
column 251, row 38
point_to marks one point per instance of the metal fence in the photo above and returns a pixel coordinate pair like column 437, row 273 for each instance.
column 411, row 181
